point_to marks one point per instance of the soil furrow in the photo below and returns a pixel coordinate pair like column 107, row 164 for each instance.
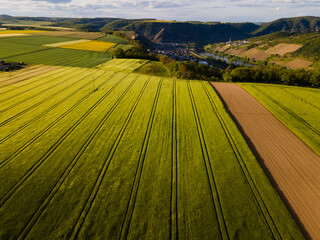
column 290, row 164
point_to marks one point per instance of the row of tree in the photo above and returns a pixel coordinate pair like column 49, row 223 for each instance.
column 273, row 74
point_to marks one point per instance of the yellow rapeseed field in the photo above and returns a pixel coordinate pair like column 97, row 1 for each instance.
column 97, row 46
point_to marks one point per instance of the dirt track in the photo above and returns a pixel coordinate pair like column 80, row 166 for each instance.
column 292, row 166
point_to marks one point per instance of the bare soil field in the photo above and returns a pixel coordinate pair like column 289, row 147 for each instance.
column 256, row 54
column 85, row 35
column 283, row 48
column 222, row 49
column 291, row 165
column 24, row 74
column 237, row 52
column 298, row 63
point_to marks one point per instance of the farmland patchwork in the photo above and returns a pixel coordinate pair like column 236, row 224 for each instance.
column 91, row 153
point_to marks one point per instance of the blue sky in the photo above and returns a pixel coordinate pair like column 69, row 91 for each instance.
column 201, row 10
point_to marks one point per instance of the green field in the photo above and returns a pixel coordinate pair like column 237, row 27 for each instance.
column 113, row 39
column 153, row 68
column 31, row 51
column 298, row 108
column 123, row 65
column 94, row 154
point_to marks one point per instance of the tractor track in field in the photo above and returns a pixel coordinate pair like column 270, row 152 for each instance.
column 292, row 167
column 174, row 170
column 41, row 92
column 25, row 75
column 211, row 180
column 26, row 124
column 45, row 99
column 19, row 73
column 246, row 173
column 35, row 95
column 136, row 182
column 71, row 165
column 86, row 208
column 308, row 125
column 41, row 78
column 21, row 54
column 52, row 148
column 300, row 98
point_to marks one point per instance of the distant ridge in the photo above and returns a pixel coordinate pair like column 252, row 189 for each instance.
column 161, row 31
column 287, row 24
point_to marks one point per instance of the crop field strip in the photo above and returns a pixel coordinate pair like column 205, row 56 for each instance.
column 27, row 123
column 28, row 82
column 298, row 108
column 30, row 50
column 7, row 78
column 131, row 144
column 291, row 164
column 42, row 132
column 244, row 169
column 126, row 65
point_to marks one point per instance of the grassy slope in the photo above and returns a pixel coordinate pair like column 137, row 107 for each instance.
column 140, row 157
column 296, row 107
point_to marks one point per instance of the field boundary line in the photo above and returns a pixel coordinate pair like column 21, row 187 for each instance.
column 87, row 207
column 53, row 107
column 71, row 165
column 136, row 182
column 316, row 131
column 44, row 100
column 211, row 179
column 52, row 148
column 246, row 173
column 174, row 233
column 41, row 77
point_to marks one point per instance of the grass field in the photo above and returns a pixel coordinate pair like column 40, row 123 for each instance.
column 98, row 46
column 153, row 68
column 298, row 108
column 113, row 39
column 31, row 51
column 35, row 40
column 124, row 65
column 63, row 57
column 88, row 153
column 72, row 34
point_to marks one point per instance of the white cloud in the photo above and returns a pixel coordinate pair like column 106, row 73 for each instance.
column 203, row 10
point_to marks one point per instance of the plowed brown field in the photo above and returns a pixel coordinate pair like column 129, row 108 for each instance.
column 291, row 165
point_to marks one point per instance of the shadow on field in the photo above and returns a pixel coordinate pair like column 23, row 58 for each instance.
column 265, row 169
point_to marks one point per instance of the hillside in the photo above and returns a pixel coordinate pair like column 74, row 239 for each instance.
column 292, row 50
column 159, row 31
column 182, row 32
column 288, row 24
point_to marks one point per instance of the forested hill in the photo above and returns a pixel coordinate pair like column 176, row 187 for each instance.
column 182, row 32
column 174, row 31
column 288, row 24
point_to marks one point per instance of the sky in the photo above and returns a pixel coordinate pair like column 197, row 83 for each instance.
column 180, row 10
